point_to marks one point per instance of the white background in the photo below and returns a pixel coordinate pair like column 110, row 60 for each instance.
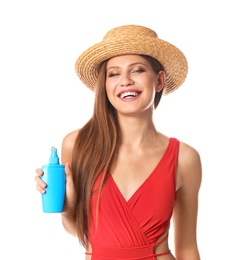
column 42, row 99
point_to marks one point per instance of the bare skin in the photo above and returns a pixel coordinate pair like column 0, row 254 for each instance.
column 141, row 148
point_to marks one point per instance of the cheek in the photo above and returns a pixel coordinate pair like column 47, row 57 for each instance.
column 110, row 87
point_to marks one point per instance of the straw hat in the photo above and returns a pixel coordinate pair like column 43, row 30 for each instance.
column 133, row 39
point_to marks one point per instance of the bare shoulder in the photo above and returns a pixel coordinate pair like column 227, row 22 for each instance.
column 70, row 138
column 67, row 145
column 188, row 154
column 189, row 166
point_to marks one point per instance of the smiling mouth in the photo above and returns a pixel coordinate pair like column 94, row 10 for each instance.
column 129, row 94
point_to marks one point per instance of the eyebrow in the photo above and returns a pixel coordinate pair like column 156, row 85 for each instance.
column 130, row 65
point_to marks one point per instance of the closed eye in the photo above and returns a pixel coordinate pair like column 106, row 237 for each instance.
column 138, row 71
column 113, row 74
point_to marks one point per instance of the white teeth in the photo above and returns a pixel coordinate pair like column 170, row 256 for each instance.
column 128, row 94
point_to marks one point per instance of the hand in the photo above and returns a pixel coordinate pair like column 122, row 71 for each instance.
column 40, row 184
column 70, row 195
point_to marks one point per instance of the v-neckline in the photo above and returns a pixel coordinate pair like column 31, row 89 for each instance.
column 144, row 182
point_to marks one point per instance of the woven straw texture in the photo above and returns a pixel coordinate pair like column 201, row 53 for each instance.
column 133, row 39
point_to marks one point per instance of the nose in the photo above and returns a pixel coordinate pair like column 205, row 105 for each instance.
column 126, row 80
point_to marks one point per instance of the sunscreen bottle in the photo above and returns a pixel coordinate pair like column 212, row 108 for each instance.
column 54, row 176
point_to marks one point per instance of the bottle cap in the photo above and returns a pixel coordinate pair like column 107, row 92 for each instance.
column 54, row 159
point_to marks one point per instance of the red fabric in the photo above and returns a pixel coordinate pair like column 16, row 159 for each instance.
column 130, row 229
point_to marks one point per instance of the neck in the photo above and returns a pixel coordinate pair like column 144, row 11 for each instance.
column 137, row 132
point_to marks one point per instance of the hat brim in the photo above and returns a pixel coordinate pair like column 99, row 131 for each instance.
column 170, row 57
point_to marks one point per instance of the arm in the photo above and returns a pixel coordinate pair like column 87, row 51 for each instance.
column 68, row 214
column 189, row 175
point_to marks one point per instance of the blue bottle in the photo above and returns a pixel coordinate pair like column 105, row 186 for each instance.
column 55, row 178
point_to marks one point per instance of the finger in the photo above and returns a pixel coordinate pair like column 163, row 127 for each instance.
column 40, row 189
column 39, row 172
column 40, row 182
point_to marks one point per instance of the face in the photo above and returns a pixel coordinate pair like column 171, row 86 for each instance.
column 131, row 84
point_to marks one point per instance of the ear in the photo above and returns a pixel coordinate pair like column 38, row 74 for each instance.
column 161, row 80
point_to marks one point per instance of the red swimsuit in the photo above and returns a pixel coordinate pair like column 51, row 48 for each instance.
column 131, row 229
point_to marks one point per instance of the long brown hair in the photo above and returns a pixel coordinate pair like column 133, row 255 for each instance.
column 95, row 148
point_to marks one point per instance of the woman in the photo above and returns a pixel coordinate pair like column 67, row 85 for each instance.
column 125, row 180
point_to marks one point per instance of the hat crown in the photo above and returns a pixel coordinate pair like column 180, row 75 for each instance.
column 128, row 31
